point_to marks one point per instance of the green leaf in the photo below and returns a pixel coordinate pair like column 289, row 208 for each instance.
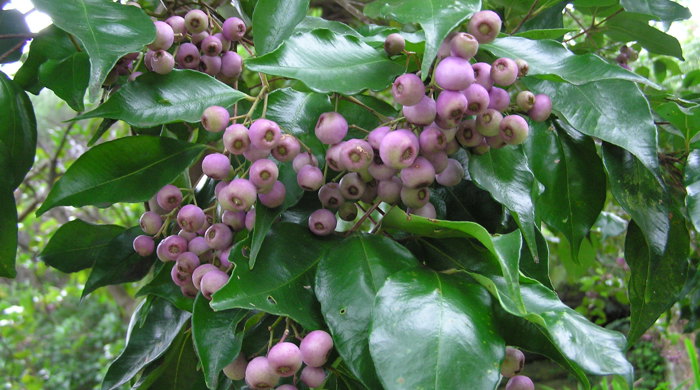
column 177, row 369
column 17, row 131
column 77, row 244
column 436, row 17
column 215, row 338
column 554, row 33
column 664, row 10
column 129, row 169
column 686, row 120
column 153, row 99
column 635, row 27
column 505, row 174
column 565, row 336
column 8, row 221
column 12, row 22
column 538, row 270
column 310, row 23
column 274, row 22
column 503, row 251
column 118, row 263
column 567, row 164
column 329, row 62
column 282, row 281
column 68, row 78
column 657, row 279
column 51, row 43
column 596, row 109
column 162, row 286
column 107, row 30
column 347, row 280
column 265, row 216
column 550, row 60
column 152, row 329
column 434, row 331
column 692, row 187
column 640, row 194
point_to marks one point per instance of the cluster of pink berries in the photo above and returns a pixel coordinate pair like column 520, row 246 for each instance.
column 285, row 359
column 200, row 249
column 511, row 367
column 211, row 53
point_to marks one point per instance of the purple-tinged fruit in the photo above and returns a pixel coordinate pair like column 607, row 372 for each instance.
column 482, row 75
column 322, row 222
column 191, row 218
column 316, row 347
column 217, row 166
column 171, row 247
column 287, row 148
column 162, row 62
column 275, row 196
column 263, row 174
column 542, row 108
column 356, row 155
column 427, row 211
column 313, row 376
column 164, row 36
column 514, row 129
column 212, row 282
column 284, row 359
column 302, row 159
column 187, row 262
column 150, row 222
column 478, row 98
column 210, row 65
column 468, row 135
column 330, row 196
column 187, row 56
column 452, row 175
column 352, row 186
column 231, row 65
column 485, row 26
column 454, row 74
column 488, row 123
column 331, row 128
column 399, row 148
column 513, row 362
column 415, row 198
column 451, row 105
column 421, row 114
column 169, row 197
column 499, row 99
column 233, row 29
column 234, row 219
column 520, row 382
column 236, row 139
column 408, row 89
column 211, row 46
column 525, row 100
column 419, row 174
column 394, row 44
column 196, row 21
column 219, row 236
column 259, row 374
column 504, row 71
column 200, row 271
column 310, row 178
column 215, row 119
column 236, row 369
column 239, row 195
column 144, row 245
column 264, row 134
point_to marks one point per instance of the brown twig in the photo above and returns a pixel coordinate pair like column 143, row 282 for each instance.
column 12, row 49
column 594, row 26
column 527, row 16
column 353, row 11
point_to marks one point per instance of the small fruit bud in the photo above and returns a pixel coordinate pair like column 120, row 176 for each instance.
column 394, row 44
column 520, row 382
column 513, row 362
column 236, row 369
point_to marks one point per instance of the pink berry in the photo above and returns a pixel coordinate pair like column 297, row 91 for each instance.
column 542, row 108
column 212, row 282
column 454, row 74
column 399, row 148
column 259, row 374
column 164, row 36
column 263, row 174
column 200, row 271
column 313, row 376
column 144, row 245
column 233, row 29
column 219, row 236
column 186, row 262
column 322, row 222
column 215, row 119
column 316, row 346
column 485, row 26
column 236, row 369
column 264, row 134
column 331, row 128
column 150, row 222
column 191, row 218
column 196, row 21
column 422, row 113
column 236, row 139
column 284, row 359
column 408, row 89
column 274, row 197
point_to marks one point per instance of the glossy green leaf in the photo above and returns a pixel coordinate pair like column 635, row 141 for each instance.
column 265, row 216
column 565, row 336
column 550, row 60
column 282, row 281
column 12, row 22
column 274, row 22
column 347, row 281
column 329, row 62
column 657, row 279
column 554, row 33
column 503, row 251
column 177, row 369
column 686, row 120
column 17, row 131
column 310, row 23
column 538, row 270
column 8, row 221
column 108, row 31
column 68, row 78
column 153, row 99
column 596, row 109
column 567, row 164
column 434, row 331
column 118, row 263
column 437, row 17
column 130, row 169
column 51, row 43
column 152, row 329
column 77, row 244
column 162, row 286
column 640, row 194
column 635, row 27
column 692, row 187
column 665, row 10
column 215, row 338
column 505, row 174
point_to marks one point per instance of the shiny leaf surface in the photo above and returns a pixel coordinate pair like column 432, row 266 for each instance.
column 442, row 319
column 215, row 338
column 8, row 223
column 153, row 99
column 51, row 43
column 282, row 281
column 274, row 22
column 107, row 30
column 179, row 369
column 665, row 10
column 502, row 253
column 68, row 78
column 152, row 329
column 329, row 62
column 567, row 164
column 550, row 60
column 17, row 131
column 118, row 263
column 77, row 244
column 595, row 109
column 504, row 173
column 347, row 280
column 634, row 27
column 437, row 17
column 692, row 187
column 129, row 169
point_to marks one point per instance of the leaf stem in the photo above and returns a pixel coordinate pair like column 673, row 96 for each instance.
column 376, row 113
column 529, row 14
column 594, row 26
